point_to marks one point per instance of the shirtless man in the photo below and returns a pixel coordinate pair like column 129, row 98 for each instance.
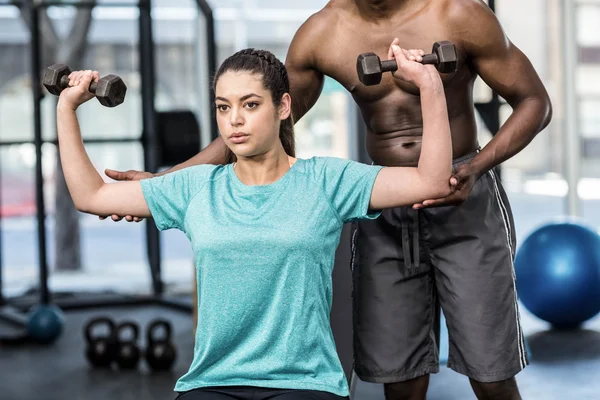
column 458, row 250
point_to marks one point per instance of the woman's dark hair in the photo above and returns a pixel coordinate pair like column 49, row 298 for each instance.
column 274, row 79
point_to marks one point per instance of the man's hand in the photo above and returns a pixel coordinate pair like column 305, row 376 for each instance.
column 130, row 175
column 462, row 182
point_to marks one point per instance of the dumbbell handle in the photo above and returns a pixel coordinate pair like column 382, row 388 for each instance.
column 392, row 65
column 64, row 83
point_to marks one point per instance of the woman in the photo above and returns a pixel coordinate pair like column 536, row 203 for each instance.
column 265, row 228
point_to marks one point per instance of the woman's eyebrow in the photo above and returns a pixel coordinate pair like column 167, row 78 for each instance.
column 245, row 97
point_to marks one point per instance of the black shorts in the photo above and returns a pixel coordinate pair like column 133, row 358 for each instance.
column 405, row 261
column 254, row 393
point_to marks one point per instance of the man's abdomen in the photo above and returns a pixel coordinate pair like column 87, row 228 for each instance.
column 402, row 148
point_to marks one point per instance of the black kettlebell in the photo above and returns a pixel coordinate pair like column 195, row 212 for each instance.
column 127, row 355
column 160, row 353
column 100, row 351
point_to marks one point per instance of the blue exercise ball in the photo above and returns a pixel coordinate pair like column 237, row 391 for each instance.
column 558, row 273
column 45, row 323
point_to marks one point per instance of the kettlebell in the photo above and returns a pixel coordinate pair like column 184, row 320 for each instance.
column 100, row 351
column 160, row 353
column 127, row 355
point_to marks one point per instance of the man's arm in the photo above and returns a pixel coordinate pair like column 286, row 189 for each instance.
column 508, row 72
column 306, row 81
column 216, row 153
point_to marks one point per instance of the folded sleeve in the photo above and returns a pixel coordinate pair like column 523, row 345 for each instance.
column 348, row 185
column 169, row 195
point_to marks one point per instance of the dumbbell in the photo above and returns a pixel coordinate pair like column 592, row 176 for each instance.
column 109, row 90
column 370, row 67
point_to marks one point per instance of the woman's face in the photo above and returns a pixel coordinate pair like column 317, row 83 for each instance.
column 248, row 121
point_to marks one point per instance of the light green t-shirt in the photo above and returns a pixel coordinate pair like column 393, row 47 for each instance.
column 264, row 260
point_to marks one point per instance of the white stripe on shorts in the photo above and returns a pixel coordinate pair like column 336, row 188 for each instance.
column 503, row 210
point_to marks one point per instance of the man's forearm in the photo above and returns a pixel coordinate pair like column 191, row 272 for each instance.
column 529, row 117
column 215, row 153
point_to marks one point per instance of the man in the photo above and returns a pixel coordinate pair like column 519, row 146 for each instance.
column 409, row 259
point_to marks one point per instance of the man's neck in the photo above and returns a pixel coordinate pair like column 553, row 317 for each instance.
column 375, row 9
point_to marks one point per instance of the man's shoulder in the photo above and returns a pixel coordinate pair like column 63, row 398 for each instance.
column 319, row 24
column 464, row 11
column 484, row 29
column 316, row 36
column 463, row 6
column 332, row 10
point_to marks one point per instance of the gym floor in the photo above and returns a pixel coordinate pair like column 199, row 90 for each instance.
column 61, row 371
column 564, row 365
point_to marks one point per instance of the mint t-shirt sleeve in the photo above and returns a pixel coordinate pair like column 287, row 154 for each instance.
column 348, row 184
column 169, row 195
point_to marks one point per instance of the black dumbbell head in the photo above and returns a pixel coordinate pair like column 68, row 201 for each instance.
column 110, row 91
column 447, row 56
column 52, row 76
column 368, row 66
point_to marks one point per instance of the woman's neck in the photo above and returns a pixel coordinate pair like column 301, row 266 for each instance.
column 264, row 169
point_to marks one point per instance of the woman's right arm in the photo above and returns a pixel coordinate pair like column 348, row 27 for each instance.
column 401, row 186
column 89, row 192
